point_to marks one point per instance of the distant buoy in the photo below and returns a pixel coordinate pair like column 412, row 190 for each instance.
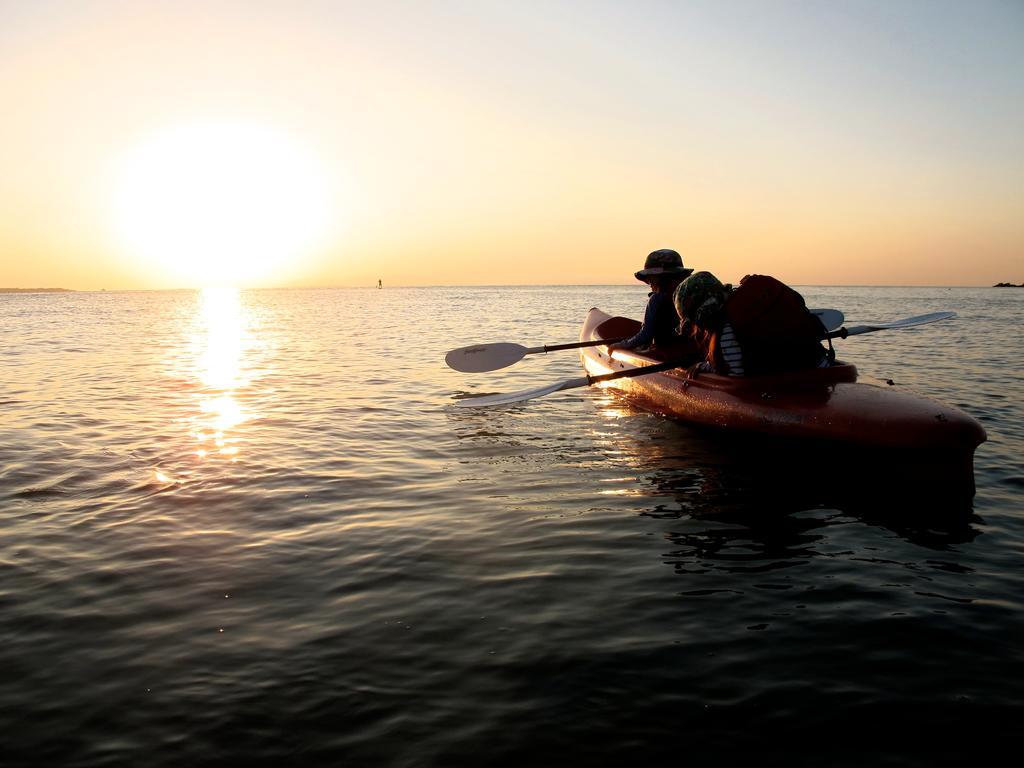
column 380, row 284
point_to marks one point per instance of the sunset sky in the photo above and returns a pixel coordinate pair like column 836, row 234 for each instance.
column 175, row 144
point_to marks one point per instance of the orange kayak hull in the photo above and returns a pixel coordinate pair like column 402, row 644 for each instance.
column 818, row 405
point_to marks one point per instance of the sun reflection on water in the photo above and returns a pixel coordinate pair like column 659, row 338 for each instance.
column 222, row 337
column 224, row 333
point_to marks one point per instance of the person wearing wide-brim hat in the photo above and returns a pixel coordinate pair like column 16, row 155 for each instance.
column 663, row 271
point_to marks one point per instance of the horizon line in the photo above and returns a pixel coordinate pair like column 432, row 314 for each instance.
column 370, row 286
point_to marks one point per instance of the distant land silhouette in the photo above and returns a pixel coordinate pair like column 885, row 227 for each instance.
column 1008, row 285
column 36, row 290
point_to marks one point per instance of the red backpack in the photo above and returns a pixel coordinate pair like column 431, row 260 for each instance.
column 773, row 326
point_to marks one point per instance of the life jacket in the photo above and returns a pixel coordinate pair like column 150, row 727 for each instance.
column 773, row 326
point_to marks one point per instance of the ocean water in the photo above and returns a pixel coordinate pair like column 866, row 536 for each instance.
column 250, row 527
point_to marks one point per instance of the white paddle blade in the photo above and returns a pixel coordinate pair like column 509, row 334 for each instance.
column 905, row 323
column 517, row 397
column 478, row 358
column 830, row 318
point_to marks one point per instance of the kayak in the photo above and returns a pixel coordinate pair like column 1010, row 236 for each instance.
column 822, row 405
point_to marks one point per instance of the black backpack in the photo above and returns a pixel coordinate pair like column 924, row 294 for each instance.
column 773, row 326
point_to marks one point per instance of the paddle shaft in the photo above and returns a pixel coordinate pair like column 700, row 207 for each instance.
column 909, row 322
column 857, row 330
column 576, row 345
column 628, row 374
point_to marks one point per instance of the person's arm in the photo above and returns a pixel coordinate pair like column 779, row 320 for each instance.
column 646, row 333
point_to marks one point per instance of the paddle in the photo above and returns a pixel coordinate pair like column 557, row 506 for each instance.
column 830, row 318
column 478, row 358
column 585, row 381
column 909, row 322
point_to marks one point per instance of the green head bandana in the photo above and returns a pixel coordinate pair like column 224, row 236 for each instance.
column 700, row 298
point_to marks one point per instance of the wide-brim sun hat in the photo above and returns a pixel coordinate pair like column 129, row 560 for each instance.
column 664, row 261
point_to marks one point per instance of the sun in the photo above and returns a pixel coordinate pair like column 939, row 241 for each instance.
column 225, row 203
